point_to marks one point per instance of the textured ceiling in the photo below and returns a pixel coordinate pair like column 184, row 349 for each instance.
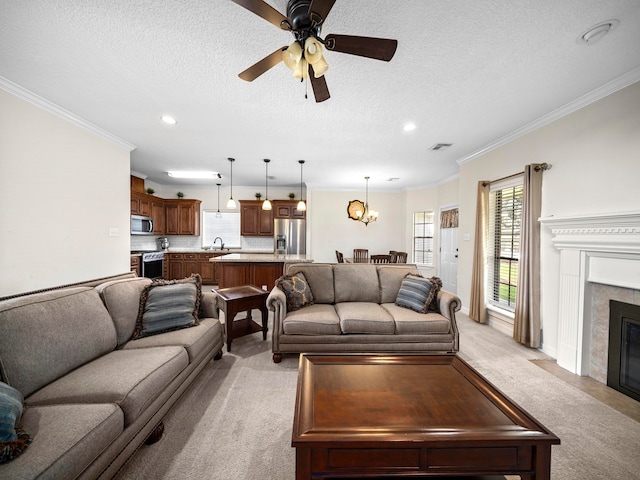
column 467, row 72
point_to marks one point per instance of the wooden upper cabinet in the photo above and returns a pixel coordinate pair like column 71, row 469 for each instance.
column 182, row 217
column 140, row 204
column 255, row 222
column 287, row 209
column 158, row 215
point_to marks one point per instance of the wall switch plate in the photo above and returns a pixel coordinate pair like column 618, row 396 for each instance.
column 114, row 232
column 466, row 237
column 264, row 287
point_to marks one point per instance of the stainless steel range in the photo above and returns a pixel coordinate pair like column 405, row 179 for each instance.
column 152, row 263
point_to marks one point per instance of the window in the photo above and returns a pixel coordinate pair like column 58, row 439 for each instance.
column 505, row 216
column 423, row 237
column 226, row 226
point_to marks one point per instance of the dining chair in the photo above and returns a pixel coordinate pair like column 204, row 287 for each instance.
column 380, row 258
column 360, row 255
column 392, row 256
column 401, row 257
column 339, row 256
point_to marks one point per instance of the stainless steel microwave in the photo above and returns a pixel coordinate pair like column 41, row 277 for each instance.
column 141, row 225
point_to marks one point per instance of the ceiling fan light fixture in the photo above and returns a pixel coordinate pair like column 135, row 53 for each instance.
column 302, row 70
column 292, row 56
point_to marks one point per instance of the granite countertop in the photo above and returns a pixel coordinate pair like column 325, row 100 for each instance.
column 262, row 257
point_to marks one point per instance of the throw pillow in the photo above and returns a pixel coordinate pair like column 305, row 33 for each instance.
column 416, row 293
column 168, row 305
column 13, row 441
column 433, row 305
column 296, row 289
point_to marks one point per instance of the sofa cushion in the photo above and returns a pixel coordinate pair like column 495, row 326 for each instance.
column 13, row 440
column 434, row 306
column 390, row 277
column 319, row 276
column 356, row 283
column 59, row 329
column 364, row 317
column 416, row 293
column 111, row 379
column 296, row 289
column 167, row 305
column 317, row 319
column 409, row 322
column 122, row 299
column 195, row 340
column 66, row 439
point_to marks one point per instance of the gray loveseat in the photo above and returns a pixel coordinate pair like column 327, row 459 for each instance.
column 354, row 311
column 92, row 395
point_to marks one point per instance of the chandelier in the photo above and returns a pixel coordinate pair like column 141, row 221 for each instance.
column 356, row 210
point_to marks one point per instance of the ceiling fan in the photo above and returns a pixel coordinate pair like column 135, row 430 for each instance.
column 304, row 56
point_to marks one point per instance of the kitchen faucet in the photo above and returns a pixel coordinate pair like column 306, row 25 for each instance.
column 214, row 242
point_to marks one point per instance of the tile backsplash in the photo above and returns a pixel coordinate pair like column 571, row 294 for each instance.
column 188, row 242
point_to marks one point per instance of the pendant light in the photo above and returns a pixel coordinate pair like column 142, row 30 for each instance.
column 301, row 205
column 266, row 205
column 218, row 214
column 231, row 204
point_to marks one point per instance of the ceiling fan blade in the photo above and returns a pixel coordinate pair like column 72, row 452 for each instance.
column 370, row 47
column 266, row 11
column 257, row 69
column 319, row 9
column 319, row 85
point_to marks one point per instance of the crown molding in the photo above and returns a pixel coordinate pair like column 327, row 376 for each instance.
column 599, row 93
column 38, row 101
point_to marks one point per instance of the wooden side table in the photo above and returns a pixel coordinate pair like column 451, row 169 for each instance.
column 234, row 300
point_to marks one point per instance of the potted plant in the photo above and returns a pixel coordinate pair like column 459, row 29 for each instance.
column 258, row 195
column 180, row 194
column 150, row 191
column 292, row 196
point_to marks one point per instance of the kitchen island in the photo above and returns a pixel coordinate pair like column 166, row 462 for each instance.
column 259, row 269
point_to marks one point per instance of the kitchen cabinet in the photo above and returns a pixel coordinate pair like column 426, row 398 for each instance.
column 181, row 265
column 255, row 222
column 158, row 214
column 287, row 209
column 136, row 266
column 182, row 217
column 140, row 204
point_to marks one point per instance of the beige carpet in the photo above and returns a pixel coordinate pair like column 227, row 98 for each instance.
column 234, row 422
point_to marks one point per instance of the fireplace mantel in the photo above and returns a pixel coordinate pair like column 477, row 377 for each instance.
column 603, row 248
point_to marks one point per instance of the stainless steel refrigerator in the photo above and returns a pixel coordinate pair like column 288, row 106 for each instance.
column 289, row 236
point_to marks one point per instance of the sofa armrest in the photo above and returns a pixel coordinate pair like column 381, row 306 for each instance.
column 449, row 304
column 277, row 303
column 208, row 305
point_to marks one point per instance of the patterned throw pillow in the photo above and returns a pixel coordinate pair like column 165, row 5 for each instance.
column 416, row 293
column 13, row 441
column 433, row 305
column 167, row 305
column 296, row 289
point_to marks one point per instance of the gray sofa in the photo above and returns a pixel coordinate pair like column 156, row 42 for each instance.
column 354, row 310
column 92, row 395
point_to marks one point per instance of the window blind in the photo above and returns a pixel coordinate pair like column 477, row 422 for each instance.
column 423, row 237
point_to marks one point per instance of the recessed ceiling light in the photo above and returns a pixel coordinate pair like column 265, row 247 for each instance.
column 440, row 146
column 409, row 127
column 169, row 119
column 192, row 174
column 596, row 33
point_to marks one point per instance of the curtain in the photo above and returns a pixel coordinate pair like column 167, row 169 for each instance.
column 526, row 327
column 477, row 309
column 449, row 218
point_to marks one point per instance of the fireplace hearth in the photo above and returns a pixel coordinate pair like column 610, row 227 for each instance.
column 623, row 372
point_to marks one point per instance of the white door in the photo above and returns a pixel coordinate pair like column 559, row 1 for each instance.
column 449, row 259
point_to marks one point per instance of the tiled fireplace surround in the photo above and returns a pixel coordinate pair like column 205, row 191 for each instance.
column 599, row 261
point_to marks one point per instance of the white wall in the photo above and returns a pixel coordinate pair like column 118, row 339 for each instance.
column 62, row 188
column 331, row 229
column 595, row 169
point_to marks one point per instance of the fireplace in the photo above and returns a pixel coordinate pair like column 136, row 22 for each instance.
column 623, row 372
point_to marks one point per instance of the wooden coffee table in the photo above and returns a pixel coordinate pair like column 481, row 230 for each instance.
column 234, row 300
column 375, row 416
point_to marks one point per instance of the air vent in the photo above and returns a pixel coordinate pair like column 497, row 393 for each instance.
column 393, row 179
column 440, row 146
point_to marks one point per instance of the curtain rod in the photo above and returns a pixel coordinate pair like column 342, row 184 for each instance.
column 537, row 168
